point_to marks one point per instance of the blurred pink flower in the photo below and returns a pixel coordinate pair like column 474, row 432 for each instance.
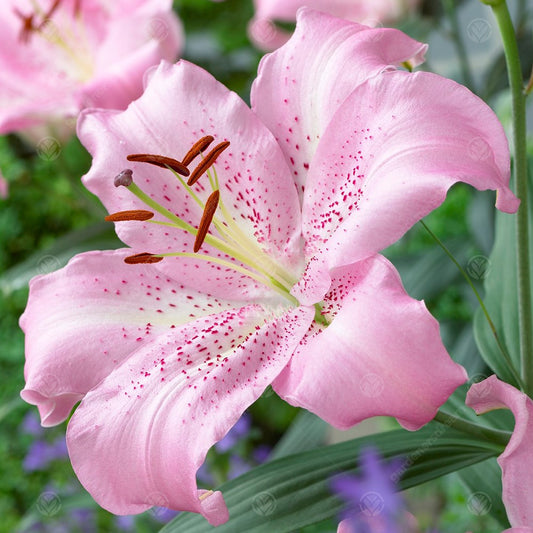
column 58, row 57
column 267, row 36
column 516, row 461
column 340, row 155
column 4, row 188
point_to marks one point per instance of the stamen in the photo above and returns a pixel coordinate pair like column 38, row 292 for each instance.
column 207, row 216
column 144, row 258
column 124, row 178
column 47, row 16
column 160, row 161
column 209, row 160
column 197, row 148
column 27, row 25
column 205, row 495
column 134, row 214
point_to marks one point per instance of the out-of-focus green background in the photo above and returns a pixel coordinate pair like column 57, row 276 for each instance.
column 48, row 217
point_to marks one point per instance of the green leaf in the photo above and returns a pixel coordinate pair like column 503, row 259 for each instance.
column 306, row 433
column 501, row 299
column 484, row 480
column 428, row 273
column 100, row 236
column 293, row 492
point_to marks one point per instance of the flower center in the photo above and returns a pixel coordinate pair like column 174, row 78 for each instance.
column 230, row 238
column 75, row 57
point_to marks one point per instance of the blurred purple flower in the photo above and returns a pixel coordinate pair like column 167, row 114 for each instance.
column 125, row 523
column 163, row 515
column 58, row 449
column 235, row 434
column 41, row 454
column 37, row 457
column 261, row 453
column 203, row 475
column 84, row 520
column 372, row 503
column 31, row 424
column 238, row 466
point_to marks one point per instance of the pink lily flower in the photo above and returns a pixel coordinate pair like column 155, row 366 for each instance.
column 267, row 36
column 516, row 461
column 58, row 57
column 166, row 343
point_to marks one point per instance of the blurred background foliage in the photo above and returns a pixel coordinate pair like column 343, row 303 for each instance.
column 48, row 217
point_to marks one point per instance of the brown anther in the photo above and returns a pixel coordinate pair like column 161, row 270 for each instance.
column 207, row 217
column 134, row 214
column 160, row 161
column 197, row 148
column 144, row 258
column 48, row 15
column 124, row 178
column 27, row 25
column 209, row 160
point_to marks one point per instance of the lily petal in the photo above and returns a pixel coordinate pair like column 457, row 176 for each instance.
column 247, row 172
column 381, row 355
column 82, row 321
column 358, row 11
column 86, row 54
column 139, row 437
column 119, row 72
column 516, row 461
column 300, row 86
column 370, row 183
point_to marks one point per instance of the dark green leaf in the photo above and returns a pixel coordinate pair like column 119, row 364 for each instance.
column 100, row 236
column 293, row 492
column 306, row 432
column 484, row 480
column 501, row 299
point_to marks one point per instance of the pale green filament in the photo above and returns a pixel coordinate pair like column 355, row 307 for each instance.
column 267, row 272
column 237, row 268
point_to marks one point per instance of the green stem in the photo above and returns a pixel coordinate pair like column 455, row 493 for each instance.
column 503, row 351
column 514, row 71
column 466, row 72
column 493, row 435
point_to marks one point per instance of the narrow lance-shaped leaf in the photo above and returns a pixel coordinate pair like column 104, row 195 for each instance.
column 294, row 492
